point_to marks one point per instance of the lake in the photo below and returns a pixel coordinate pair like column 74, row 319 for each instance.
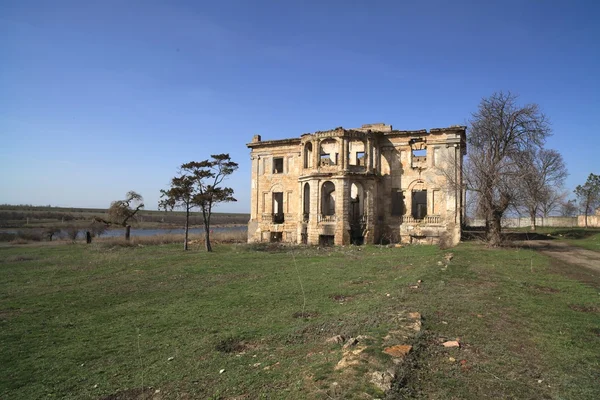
column 152, row 232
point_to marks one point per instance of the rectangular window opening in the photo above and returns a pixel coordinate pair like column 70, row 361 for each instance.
column 278, row 208
column 276, row 237
column 419, row 204
column 419, row 153
column 278, row 165
column 326, row 240
column 360, row 158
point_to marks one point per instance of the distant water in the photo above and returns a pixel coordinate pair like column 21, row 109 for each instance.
column 152, row 232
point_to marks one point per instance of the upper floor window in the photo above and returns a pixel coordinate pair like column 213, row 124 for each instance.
column 278, row 165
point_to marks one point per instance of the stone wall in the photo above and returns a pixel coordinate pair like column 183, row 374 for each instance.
column 558, row 222
column 593, row 221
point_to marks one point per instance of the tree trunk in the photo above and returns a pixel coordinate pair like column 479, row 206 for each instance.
column 207, row 237
column 494, row 229
column 127, row 232
column 533, row 226
column 187, row 225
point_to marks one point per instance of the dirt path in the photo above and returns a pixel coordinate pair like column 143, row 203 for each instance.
column 567, row 253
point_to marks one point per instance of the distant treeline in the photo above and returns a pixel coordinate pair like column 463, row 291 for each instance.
column 12, row 216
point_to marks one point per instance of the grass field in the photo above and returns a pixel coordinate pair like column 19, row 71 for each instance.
column 105, row 321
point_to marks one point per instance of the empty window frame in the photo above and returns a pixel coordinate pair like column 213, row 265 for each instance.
column 278, row 165
column 419, row 204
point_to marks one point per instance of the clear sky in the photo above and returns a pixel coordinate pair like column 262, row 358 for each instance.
column 101, row 97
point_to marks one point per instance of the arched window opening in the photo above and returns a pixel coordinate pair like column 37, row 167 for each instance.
column 306, row 203
column 357, row 202
column 328, row 199
column 308, row 155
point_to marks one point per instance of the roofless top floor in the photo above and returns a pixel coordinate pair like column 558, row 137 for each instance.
column 358, row 150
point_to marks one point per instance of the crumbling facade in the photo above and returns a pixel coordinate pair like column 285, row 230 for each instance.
column 371, row 184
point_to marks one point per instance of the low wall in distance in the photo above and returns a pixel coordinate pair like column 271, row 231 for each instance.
column 553, row 222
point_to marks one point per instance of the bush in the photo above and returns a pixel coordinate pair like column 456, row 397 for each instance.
column 7, row 236
column 72, row 232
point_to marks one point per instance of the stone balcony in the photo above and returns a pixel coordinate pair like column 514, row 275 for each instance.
column 326, row 218
column 277, row 218
column 427, row 220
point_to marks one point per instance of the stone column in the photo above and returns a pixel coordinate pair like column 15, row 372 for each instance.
column 316, row 153
column 369, row 151
column 345, row 161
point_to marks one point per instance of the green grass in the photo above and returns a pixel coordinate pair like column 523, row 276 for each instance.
column 90, row 321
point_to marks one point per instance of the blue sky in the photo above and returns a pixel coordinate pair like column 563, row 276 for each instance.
column 98, row 98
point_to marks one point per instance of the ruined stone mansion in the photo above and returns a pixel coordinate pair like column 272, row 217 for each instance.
column 371, row 184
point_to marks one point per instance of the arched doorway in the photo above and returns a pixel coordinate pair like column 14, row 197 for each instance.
column 306, row 203
column 357, row 218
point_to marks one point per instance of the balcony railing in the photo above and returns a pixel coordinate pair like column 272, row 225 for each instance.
column 326, row 218
column 428, row 219
column 275, row 218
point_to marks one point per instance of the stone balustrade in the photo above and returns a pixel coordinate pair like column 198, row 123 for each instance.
column 326, row 218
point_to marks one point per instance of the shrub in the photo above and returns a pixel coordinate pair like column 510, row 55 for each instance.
column 72, row 232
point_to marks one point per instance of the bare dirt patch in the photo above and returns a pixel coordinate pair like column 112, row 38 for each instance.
column 584, row 308
column 566, row 253
column 341, row 298
column 305, row 314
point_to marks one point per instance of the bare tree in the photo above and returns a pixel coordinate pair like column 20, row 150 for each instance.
column 500, row 132
column 552, row 202
column 568, row 208
column 123, row 211
column 181, row 195
column 541, row 171
column 588, row 195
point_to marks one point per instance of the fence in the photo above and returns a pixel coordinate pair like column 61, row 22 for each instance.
column 558, row 222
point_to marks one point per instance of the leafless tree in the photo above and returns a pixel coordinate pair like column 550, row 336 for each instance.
column 541, row 172
column 568, row 208
column 121, row 212
column 553, row 201
column 588, row 195
column 500, row 132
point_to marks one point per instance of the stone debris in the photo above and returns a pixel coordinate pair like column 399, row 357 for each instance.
column 451, row 359
column 350, row 358
column 356, row 363
column 337, row 339
column 221, row 371
column 399, row 350
column 448, row 256
column 350, row 342
column 451, row 343
column 383, row 380
column 170, row 358
column 414, row 286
